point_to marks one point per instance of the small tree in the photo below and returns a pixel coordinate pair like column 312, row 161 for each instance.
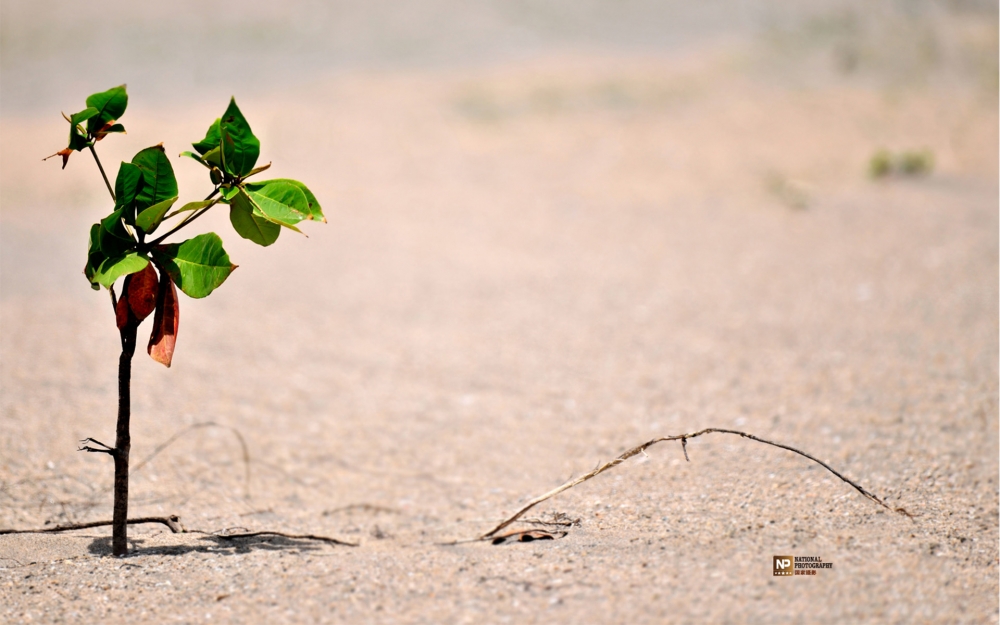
column 123, row 244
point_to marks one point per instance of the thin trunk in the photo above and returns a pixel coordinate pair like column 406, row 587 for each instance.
column 123, row 442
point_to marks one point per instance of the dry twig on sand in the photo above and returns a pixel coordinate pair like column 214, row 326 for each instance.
column 172, row 521
column 683, row 438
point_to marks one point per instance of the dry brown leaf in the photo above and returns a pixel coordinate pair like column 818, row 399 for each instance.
column 121, row 310
column 103, row 132
column 64, row 153
column 165, row 322
column 141, row 290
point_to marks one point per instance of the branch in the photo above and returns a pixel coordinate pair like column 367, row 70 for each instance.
column 103, row 175
column 103, row 449
column 172, row 521
column 683, row 438
column 187, row 220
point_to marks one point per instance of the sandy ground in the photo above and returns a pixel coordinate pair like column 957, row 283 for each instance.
column 528, row 268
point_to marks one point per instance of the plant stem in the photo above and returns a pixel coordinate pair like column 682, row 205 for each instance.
column 104, row 175
column 186, row 221
column 123, row 441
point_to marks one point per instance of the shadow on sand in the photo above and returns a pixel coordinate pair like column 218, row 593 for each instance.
column 219, row 545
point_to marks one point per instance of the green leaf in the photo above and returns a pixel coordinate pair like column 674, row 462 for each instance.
column 111, row 252
column 110, row 105
column 127, row 184
column 112, row 238
column 190, row 206
column 77, row 141
column 198, row 266
column 240, row 147
column 214, row 156
column 213, row 138
column 82, row 116
column 113, row 268
column 257, row 170
column 94, row 256
column 195, row 157
column 311, row 208
column 150, row 218
column 114, row 128
column 158, row 177
column 278, row 201
column 251, row 226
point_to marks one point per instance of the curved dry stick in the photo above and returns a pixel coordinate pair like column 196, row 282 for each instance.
column 683, row 438
column 196, row 426
column 173, row 522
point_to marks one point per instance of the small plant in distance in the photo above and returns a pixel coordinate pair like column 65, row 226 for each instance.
column 130, row 243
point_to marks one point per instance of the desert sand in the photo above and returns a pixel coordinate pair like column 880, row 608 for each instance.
column 531, row 265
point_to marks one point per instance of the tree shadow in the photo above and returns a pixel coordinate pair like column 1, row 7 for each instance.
column 218, row 545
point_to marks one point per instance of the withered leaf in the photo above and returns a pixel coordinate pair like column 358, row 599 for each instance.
column 141, row 292
column 64, row 153
column 103, row 131
column 165, row 321
column 121, row 310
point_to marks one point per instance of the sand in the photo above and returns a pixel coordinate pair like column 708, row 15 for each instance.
column 529, row 267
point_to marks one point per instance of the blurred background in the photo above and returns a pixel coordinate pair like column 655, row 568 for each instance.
column 52, row 49
column 556, row 229
column 504, row 66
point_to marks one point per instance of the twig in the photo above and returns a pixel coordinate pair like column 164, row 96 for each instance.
column 365, row 507
column 172, row 521
column 103, row 449
column 683, row 438
column 187, row 219
column 560, row 520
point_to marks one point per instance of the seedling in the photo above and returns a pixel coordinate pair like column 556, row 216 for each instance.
column 129, row 244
